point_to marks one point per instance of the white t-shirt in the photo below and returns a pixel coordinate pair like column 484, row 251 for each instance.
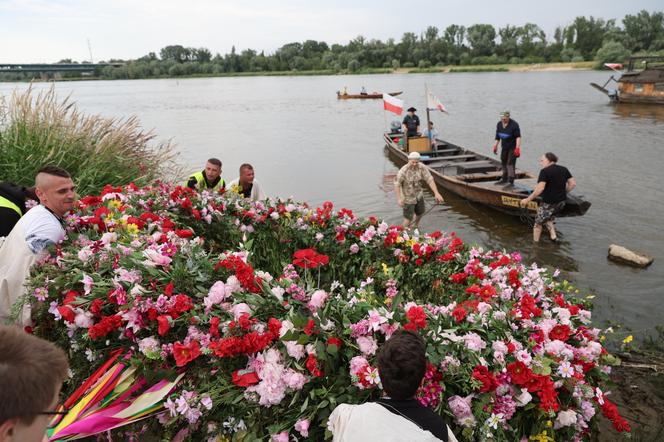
column 257, row 193
column 41, row 228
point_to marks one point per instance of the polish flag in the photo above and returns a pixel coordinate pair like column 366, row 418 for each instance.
column 434, row 103
column 613, row 66
column 392, row 104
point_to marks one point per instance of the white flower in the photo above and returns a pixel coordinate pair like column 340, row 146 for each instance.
column 565, row 419
column 565, row 369
column 494, row 420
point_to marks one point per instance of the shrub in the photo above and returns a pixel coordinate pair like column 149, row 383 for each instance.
column 40, row 128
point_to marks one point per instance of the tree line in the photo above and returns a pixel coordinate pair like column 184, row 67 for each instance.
column 585, row 39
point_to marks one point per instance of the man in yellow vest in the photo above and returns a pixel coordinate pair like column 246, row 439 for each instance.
column 209, row 178
column 12, row 205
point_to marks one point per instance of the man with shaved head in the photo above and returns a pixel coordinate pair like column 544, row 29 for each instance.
column 39, row 228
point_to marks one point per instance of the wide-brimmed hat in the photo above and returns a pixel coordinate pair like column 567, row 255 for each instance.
column 414, row 156
column 412, row 109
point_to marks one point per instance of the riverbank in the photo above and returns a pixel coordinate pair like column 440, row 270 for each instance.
column 536, row 67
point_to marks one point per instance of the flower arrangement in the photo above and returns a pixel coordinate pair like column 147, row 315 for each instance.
column 269, row 314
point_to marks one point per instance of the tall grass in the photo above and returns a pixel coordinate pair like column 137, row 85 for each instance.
column 41, row 128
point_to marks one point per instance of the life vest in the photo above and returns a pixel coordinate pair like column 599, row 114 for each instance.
column 201, row 184
column 4, row 202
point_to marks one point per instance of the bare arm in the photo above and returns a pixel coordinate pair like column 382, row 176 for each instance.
column 397, row 190
column 571, row 184
column 537, row 192
column 434, row 189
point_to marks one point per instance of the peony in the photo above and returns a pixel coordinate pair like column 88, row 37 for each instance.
column 302, row 427
column 155, row 258
column 368, row 345
column 460, row 406
column 280, row 437
column 565, row 418
column 240, row 309
column 318, row 299
column 354, row 248
column 294, row 349
column 474, row 342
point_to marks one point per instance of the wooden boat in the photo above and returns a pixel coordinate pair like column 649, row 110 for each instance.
column 372, row 95
column 643, row 82
column 474, row 176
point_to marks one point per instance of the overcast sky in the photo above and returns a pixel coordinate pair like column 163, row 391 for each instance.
column 50, row 30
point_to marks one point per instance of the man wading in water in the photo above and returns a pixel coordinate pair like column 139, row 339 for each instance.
column 408, row 187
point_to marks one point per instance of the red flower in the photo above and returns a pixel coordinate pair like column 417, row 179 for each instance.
column 312, row 366
column 183, row 303
column 70, row 297
column 136, row 221
column 164, row 324
column 309, row 259
column 184, row 233
column 214, row 327
column 513, row 278
column 560, row 333
column 459, row 278
column 243, row 378
column 67, row 313
column 416, row 317
column 95, row 306
column 184, row 354
column 168, row 290
column 245, row 321
column 488, row 380
column 309, row 328
column 334, row 341
column 105, row 326
column 459, row 313
column 274, row 325
column 519, row 373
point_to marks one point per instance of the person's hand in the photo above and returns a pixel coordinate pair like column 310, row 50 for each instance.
column 517, row 152
column 495, row 150
column 439, row 198
column 524, row 202
column 400, row 202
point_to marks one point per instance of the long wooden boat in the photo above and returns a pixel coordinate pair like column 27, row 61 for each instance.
column 474, row 176
column 643, row 82
column 373, row 95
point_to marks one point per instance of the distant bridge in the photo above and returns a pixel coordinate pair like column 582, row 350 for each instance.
column 56, row 67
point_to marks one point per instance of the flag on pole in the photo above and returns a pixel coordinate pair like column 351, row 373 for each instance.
column 392, row 104
column 613, row 66
column 434, row 103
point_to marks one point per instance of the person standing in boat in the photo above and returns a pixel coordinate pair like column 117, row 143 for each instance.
column 411, row 123
column 209, row 178
column 508, row 134
column 432, row 134
column 553, row 184
column 408, row 187
column 246, row 185
column 363, row 91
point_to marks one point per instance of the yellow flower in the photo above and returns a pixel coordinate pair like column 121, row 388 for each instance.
column 236, row 189
column 628, row 339
column 602, row 338
column 542, row 437
column 114, row 204
column 132, row 229
column 410, row 243
column 399, row 240
column 386, row 269
column 549, row 424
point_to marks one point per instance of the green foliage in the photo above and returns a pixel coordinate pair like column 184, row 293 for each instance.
column 38, row 129
column 611, row 52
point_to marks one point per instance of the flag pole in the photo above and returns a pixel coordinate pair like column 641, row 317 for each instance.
column 426, row 92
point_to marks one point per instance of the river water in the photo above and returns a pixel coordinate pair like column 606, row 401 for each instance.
column 304, row 142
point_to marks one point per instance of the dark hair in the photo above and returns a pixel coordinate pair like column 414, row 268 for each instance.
column 551, row 157
column 215, row 161
column 30, row 193
column 246, row 166
column 52, row 169
column 431, row 123
column 401, row 364
column 31, row 372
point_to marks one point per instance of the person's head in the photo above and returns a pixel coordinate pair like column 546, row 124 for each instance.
column 548, row 159
column 55, row 189
column 29, row 193
column 505, row 116
column 246, row 173
column 413, row 159
column 401, row 364
column 31, row 373
column 430, row 124
column 212, row 169
column 411, row 111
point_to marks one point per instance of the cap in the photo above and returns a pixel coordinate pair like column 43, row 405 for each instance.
column 505, row 113
column 414, row 156
column 412, row 109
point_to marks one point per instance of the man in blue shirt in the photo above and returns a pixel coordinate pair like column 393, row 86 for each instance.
column 509, row 135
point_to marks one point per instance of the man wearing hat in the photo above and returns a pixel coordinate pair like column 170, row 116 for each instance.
column 411, row 123
column 408, row 187
column 509, row 135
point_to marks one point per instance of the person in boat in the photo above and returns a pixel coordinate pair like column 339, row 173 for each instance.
column 408, row 187
column 508, row 134
column 553, row 184
column 345, row 90
column 411, row 123
column 39, row 228
column 432, row 134
column 363, row 91
column 209, row 178
column 246, row 185
column 397, row 416
column 12, row 205
column 31, row 374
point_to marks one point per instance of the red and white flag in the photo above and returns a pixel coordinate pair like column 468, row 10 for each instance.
column 392, row 104
column 613, row 66
column 434, row 103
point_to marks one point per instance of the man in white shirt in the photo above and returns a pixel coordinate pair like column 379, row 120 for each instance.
column 246, row 186
column 40, row 227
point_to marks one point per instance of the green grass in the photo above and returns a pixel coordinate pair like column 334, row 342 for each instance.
column 40, row 128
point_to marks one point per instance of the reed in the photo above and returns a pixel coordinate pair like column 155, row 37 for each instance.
column 38, row 128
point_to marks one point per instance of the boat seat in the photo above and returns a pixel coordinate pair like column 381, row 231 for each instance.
column 449, row 158
column 475, row 166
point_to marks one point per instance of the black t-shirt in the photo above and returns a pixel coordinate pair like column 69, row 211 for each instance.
column 9, row 217
column 508, row 134
column 423, row 417
column 411, row 124
column 246, row 192
column 555, row 177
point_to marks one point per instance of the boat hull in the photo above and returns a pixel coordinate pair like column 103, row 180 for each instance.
column 364, row 96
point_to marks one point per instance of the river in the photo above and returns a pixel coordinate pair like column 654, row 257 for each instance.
column 304, row 142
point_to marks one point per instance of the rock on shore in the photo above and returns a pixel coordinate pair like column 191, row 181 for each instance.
column 625, row 256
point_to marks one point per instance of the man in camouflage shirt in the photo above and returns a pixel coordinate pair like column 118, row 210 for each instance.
column 408, row 187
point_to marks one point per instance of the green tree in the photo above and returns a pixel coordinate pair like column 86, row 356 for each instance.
column 482, row 39
column 644, row 31
column 611, row 52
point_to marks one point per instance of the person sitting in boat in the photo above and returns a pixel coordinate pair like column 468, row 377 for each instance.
column 432, row 134
column 246, row 185
column 363, row 91
column 209, row 178
column 398, row 416
column 508, row 134
column 553, row 184
column 411, row 123
column 408, row 187
column 12, row 205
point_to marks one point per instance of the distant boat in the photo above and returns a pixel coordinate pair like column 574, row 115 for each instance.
column 644, row 86
column 373, row 95
column 473, row 176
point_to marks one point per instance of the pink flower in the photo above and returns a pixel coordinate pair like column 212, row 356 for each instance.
column 155, row 258
column 87, row 283
column 294, row 349
column 280, row 437
column 294, row 379
column 565, row 418
column 302, row 426
column 368, row 345
column 354, row 248
column 240, row 309
column 460, row 406
column 357, row 364
column 317, row 300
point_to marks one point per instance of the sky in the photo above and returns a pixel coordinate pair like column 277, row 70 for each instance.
column 45, row 31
